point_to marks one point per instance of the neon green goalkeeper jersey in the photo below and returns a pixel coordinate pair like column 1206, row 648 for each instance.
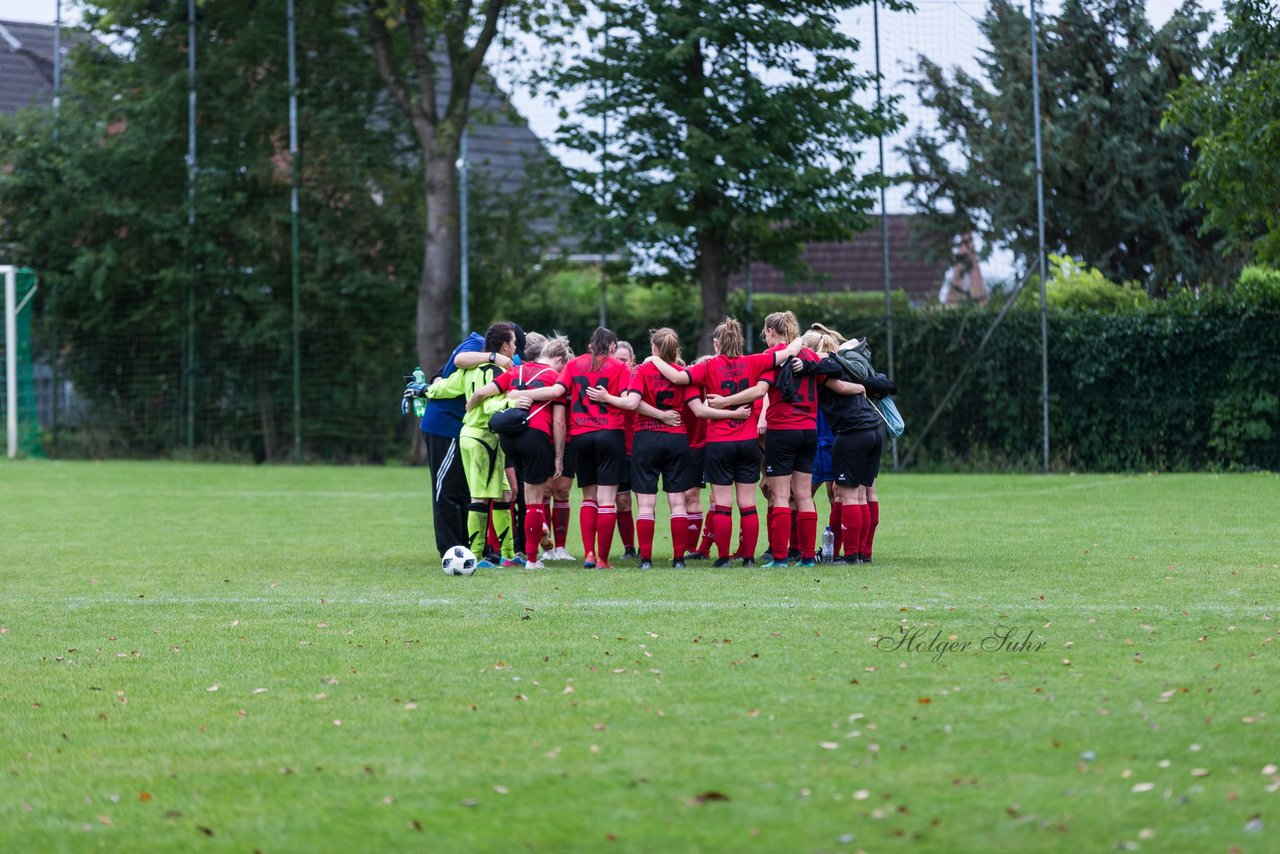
column 464, row 384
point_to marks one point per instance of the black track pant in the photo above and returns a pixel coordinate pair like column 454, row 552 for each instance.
column 449, row 493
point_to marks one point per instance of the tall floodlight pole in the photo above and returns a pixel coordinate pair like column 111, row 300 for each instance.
column 464, row 272
column 884, row 215
column 1044, row 305
column 191, row 224
column 293, row 241
column 53, row 291
column 57, row 68
column 604, row 177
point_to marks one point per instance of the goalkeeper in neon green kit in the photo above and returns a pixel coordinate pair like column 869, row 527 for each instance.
column 482, row 459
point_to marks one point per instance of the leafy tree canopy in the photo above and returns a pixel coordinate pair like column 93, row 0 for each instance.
column 1113, row 174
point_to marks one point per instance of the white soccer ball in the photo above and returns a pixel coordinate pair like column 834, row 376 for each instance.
column 459, row 560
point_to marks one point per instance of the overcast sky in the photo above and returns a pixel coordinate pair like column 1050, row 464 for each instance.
column 944, row 30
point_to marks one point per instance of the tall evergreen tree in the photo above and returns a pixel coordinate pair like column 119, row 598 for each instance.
column 731, row 133
column 1113, row 175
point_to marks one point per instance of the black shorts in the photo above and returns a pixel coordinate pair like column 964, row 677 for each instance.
column 600, row 457
column 789, row 451
column 656, row 453
column 567, row 468
column 697, row 468
column 856, row 457
column 532, row 454
column 733, row 462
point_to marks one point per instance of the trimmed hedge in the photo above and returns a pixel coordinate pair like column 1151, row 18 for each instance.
column 1170, row 388
column 1183, row 384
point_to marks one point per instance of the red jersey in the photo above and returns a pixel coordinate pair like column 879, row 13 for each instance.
column 695, row 428
column 725, row 375
column 585, row 414
column 532, row 375
column 802, row 414
column 629, row 426
column 660, row 393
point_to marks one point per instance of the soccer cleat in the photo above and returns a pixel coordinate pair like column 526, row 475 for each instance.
column 646, row 564
column 563, row 554
column 765, row 557
column 629, row 554
column 865, row 559
column 720, row 563
column 774, row 563
column 748, row 562
column 510, row 562
column 603, row 564
column 694, row 556
column 486, row 564
column 535, row 564
column 808, row 562
column 793, row 553
column 589, row 562
column 677, row 564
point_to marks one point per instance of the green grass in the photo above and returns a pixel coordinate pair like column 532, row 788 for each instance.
column 570, row 709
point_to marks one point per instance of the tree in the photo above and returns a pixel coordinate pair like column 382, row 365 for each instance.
column 1235, row 110
column 731, row 134
column 429, row 54
column 103, row 218
column 1113, row 174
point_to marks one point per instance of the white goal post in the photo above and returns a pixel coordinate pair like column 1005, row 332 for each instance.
column 11, row 310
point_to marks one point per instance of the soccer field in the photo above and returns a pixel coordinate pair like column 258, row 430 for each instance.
column 269, row 658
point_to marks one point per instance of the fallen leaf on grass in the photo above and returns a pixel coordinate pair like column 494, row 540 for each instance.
column 1142, row 787
column 830, row 745
column 1199, row 772
column 706, row 797
column 207, row 831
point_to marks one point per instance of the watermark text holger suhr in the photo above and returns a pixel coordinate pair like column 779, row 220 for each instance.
column 931, row 642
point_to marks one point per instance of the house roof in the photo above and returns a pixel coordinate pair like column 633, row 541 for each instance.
column 26, row 65
column 857, row 265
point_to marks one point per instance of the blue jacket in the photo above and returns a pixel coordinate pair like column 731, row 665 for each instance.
column 444, row 416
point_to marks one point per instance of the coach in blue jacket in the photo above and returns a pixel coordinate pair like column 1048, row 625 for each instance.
column 441, row 423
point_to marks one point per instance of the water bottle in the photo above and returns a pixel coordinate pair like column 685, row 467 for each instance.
column 828, row 546
column 419, row 404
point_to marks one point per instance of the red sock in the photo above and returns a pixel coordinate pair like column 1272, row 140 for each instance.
column 644, row 530
column 491, row 536
column 606, row 521
column 709, row 532
column 679, row 531
column 807, row 525
column 794, row 541
column 626, row 529
column 560, row 521
column 722, row 519
column 779, row 526
column 873, row 519
column 836, row 520
column 587, row 522
column 532, row 530
column 749, row 522
column 852, row 529
column 695, row 528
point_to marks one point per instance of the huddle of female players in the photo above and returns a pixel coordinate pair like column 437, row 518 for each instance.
column 614, row 426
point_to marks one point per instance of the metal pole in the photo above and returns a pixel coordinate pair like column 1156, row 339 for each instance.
column 11, row 358
column 193, row 266
column 604, row 178
column 1044, row 309
column 57, row 68
column 52, row 307
column 464, row 274
column 293, row 242
column 884, row 218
